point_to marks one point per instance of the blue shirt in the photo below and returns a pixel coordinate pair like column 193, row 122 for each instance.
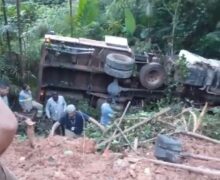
column 106, row 113
column 75, row 123
column 25, row 100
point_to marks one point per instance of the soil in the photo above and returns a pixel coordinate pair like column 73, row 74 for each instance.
column 59, row 158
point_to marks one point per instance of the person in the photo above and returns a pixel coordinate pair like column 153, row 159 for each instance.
column 74, row 122
column 55, row 108
column 107, row 112
column 4, row 90
column 26, row 101
column 8, row 127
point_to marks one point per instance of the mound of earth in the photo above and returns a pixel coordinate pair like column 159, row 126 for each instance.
column 59, row 158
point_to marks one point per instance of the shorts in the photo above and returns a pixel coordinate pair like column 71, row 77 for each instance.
column 5, row 173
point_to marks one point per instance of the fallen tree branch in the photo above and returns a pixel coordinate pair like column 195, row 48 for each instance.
column 118, row 125
column 195, row 135
column 125, row 137
column 204, row 171
column 163, row 111
column 201, row 157
column 199, row 120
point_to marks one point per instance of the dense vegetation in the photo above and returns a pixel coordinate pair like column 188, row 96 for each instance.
column 164, row 26
column 160, row 25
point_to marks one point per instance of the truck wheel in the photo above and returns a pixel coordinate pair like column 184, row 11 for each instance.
column 117, row 73
column 120, row 62
column 152, row 76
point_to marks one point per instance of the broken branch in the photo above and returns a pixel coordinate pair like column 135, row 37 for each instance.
column 119, row 123
column 163, row 111
column 199, row 170
column 202, row 157
column 195, row 135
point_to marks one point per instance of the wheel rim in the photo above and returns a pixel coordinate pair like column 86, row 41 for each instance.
column 153, row 77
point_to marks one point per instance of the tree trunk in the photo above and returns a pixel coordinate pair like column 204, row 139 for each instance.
column 19, row 39
column 6, row 23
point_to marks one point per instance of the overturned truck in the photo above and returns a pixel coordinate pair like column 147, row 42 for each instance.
column 79, row 68
column 202, row 81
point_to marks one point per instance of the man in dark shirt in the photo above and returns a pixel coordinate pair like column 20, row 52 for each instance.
column 74, row 122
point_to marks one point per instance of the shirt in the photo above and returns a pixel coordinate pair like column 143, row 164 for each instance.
column 75, row 123
column 25, row 100
column 55, row 109
column 106, row 113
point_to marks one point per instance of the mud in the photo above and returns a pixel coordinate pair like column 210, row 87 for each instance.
column 59, row 158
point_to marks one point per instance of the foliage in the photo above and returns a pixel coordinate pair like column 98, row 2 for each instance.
column 49, row 2
column 130, row 23
column 211, row 123
column 87, row 11
column 181, row 68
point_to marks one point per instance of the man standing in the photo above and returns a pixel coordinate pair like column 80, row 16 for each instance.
column 26, row 101
column 107, row 112
column 55, row 108
column 8, row 127
column 74, row 122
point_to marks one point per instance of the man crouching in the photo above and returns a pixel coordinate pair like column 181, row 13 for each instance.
column 74, row 122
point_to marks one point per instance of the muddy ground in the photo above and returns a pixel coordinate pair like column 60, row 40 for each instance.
column 58, row 158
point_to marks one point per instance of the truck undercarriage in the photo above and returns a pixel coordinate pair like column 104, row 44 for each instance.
column 78, row 68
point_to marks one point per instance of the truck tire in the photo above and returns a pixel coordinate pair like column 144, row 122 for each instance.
column 120, row 62
column 117, row 73
column 152, row 76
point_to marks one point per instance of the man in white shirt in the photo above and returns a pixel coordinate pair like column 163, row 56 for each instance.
column 55, row 107
column 26, row 101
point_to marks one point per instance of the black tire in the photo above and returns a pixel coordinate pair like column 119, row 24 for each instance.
column 152, row 76
column 120, row 62
column 117, row 73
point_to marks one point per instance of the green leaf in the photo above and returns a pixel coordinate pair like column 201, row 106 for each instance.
column 130, row 23
column 81, row 8
column 88, row 11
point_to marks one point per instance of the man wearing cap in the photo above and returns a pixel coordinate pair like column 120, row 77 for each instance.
column 74, row 122
column 55, row 108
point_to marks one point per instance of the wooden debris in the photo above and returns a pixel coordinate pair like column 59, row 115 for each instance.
column 199, row 120
column 195, row 135
column 114, row 136
column 118, row 125
column 204, row 171
column 201, row 157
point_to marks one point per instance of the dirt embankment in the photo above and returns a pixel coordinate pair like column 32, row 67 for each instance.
column 58, row 158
